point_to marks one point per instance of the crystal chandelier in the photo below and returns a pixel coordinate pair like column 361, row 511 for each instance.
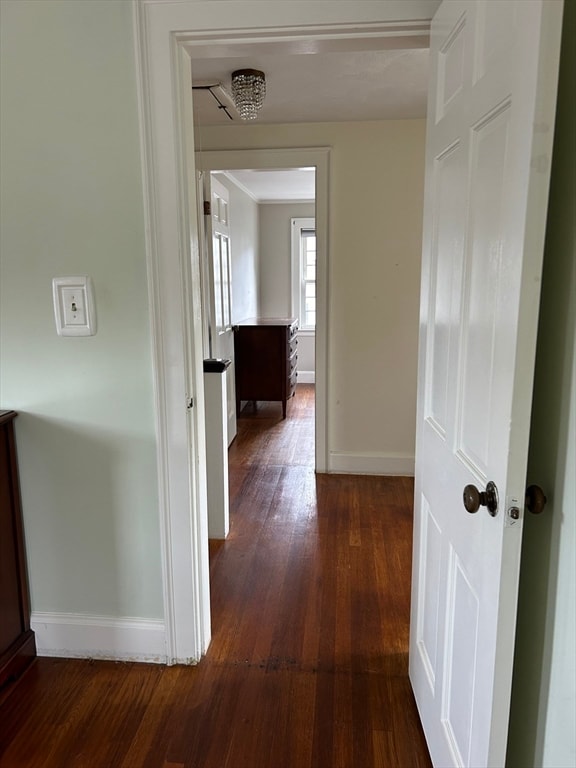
column 248, row 91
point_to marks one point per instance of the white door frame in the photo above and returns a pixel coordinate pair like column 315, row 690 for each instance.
column 163, row 30
column 319, row 157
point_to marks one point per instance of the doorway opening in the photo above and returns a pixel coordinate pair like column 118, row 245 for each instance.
column 262, row 262
column 168, row 135
column 258, row 273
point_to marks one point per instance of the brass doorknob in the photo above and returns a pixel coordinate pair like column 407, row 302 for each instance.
column 474, row 499
column 535, row 499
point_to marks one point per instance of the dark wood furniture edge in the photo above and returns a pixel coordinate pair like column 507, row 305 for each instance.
column 22, row 652
column 15, row 480
column 17, row 658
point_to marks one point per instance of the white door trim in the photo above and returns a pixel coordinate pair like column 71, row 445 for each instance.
column 162, row 30
column 319, row 157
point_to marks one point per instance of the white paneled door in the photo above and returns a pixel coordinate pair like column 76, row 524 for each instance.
column 491, row 110
column 221, row 335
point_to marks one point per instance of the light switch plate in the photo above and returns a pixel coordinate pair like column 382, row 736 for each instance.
column 74, row 307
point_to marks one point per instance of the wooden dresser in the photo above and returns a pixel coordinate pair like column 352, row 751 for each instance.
column 17, row 643
column 266, row 360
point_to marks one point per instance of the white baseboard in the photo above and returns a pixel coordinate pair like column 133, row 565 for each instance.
column 371, row 464
column 73, row 635
column 306, row 377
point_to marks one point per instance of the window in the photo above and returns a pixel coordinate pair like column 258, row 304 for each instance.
column 304, row 272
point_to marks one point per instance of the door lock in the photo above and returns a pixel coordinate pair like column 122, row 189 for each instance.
column 514, row 513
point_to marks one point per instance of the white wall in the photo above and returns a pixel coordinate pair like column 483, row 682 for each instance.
column 72, row 204
column 543, row 711
column 376, row 187
column 275, row 256
column 244, row 251
column 275, row 234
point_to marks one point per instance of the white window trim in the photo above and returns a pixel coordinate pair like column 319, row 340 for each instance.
column 297, row 225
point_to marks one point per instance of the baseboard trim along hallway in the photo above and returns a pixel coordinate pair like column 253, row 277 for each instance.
column 72, row 635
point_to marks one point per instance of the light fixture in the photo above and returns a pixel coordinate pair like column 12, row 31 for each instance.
column 248, row 91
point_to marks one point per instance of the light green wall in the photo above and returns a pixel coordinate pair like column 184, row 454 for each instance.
column 375, row 244
column 72, row 204
column 543, row 716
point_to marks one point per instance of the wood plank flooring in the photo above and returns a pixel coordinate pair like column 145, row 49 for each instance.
column 308, row 663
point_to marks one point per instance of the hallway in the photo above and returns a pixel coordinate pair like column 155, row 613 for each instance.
column 308, row 662
column 310, row 599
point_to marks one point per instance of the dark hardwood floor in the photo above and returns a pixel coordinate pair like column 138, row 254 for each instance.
column 308, row 663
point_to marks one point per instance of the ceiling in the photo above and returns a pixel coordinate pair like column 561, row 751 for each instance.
column 359, row 81
column 324, row 87
column 269, row 186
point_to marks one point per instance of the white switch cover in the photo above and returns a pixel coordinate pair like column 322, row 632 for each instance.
column 74, row 307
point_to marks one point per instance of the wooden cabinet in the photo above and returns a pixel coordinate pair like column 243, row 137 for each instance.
column 17, row 644
column 266, row 360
